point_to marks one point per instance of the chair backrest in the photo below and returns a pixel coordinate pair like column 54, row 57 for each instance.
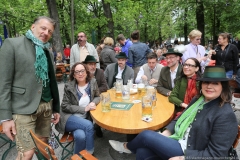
column 42, row 147
column 235, row 143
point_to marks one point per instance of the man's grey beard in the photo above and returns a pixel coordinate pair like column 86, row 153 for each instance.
column 92, row 72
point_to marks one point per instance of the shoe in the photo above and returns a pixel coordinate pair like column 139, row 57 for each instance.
column 118, row 146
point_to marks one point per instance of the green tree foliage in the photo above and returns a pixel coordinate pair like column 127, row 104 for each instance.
column 157, row 20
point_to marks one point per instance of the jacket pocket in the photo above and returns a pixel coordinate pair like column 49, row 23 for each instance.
column 18, row 90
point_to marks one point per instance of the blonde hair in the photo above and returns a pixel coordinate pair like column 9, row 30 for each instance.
column 108, row 41
column 59, row 56
column 194, row 33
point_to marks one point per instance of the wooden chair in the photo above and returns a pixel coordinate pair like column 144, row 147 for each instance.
column 232, row 151
column 6, row 141
column 49, row 153
column 65, row 141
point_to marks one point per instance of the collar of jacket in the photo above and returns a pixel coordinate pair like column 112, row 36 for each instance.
column 208, row 104
column 107, row 46
column 87, row 90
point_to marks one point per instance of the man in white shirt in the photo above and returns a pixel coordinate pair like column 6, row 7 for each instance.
column 118, row 70
column 150, row 71
column 169, row 73
column 81, row 49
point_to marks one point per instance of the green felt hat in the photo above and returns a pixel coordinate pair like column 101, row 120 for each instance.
column 121, row 55
column 171, row 51
column 90, row 59
column 214, row 73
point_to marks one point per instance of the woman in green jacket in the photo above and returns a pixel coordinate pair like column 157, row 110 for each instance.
column 186, row 86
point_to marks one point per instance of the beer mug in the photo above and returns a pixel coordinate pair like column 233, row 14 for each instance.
column 146, row 107
column 151, row 91
column 125, row 93
column 141, row 90
column 105, row 101
column 118, row 88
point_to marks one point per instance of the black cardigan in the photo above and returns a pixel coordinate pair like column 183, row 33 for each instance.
column 231, row 60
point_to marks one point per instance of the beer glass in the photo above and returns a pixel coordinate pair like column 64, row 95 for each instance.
column 151, row 91
column 141, row 90
column 118, row 87
column 125, row 93
column 105, row 101
column 146, row 107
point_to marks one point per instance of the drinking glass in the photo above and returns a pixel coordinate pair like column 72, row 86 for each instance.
column 151, row 91
column 146, row 107
column 118, row 87
column 141, row 90
column 125, row 93
column 105, row 101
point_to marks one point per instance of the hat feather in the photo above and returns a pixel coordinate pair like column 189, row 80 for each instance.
column 180, row 48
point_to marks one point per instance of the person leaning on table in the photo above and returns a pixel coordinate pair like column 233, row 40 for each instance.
column 205, row 130
column 81, row 95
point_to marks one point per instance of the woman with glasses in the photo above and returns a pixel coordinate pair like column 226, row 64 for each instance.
column 186, row 85
column 81, row 95
column 205, row 130
column 194, row 49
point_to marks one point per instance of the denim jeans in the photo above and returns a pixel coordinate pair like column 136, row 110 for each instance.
column 83, row 133
column 229, row 74
column 150, row 145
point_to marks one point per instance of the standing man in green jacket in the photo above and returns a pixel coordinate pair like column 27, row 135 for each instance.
column 29, row 89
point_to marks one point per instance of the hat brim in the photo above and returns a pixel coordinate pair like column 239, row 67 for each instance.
column 90, row 62
column 178, row 54
column 121, row 57
column 213, row 79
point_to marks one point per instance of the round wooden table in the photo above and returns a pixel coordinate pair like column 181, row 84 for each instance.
column 129, row 122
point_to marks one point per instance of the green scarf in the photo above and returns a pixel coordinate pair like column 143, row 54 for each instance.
column 186, row 119
column 41, row 64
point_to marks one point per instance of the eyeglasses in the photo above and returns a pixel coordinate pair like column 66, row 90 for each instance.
column 188, row 65
column 81, row 71
column 170, row 58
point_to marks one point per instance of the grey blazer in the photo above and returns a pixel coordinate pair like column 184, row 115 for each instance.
column 164, row 82
column 20, row 91
column 213, row 131
column 70, row 101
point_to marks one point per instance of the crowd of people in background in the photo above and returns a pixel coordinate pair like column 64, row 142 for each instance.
column 204, row 124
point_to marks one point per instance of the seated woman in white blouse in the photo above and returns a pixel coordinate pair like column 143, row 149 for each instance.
column 81, row 95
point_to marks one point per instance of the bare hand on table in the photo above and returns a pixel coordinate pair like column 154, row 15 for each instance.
column 91, row 106
column 152, row 81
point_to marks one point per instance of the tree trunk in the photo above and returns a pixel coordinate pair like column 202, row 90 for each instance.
column 185, row 27
column 108, row 15
column 200, row 19
column 72, row 22
column 57, row 41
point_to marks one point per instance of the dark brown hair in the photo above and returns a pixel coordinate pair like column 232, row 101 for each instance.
column 88, row 78
column 197, row 64
column 152, row 55
column 226, row 96
column 135, row 35
column 225, row 35
column 120, row 37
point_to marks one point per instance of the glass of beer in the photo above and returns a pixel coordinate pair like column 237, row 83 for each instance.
column 146, row 107
column 151, row 91
column 125, row 93
column 105, row 101
column 141, row 90
column 118, row 87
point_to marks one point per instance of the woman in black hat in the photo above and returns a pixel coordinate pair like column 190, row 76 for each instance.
column 205, row 130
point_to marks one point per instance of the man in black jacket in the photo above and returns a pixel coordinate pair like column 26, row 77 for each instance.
column 237, row 44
